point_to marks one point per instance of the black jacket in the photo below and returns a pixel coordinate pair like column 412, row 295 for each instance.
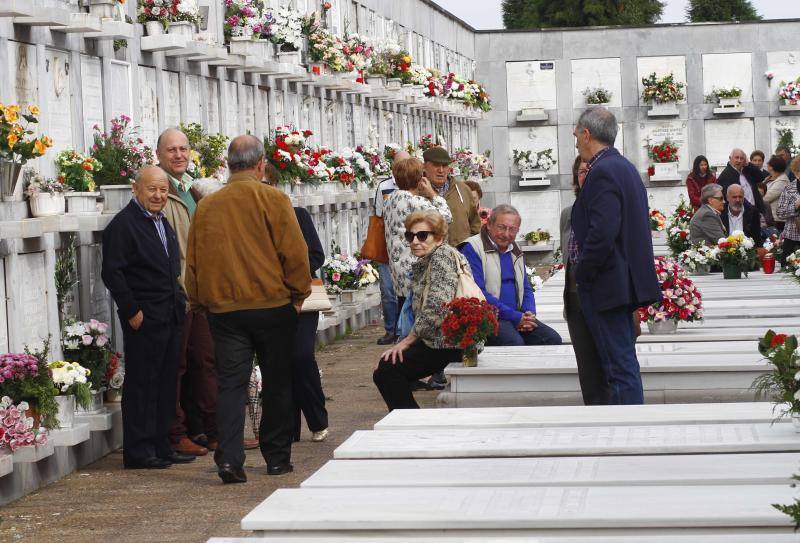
column 316, row 254
column 751, row 222
column 137, row 270
column 730, row 176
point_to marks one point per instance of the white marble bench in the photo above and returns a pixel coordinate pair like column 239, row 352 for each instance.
column 680, row 469
column 686, row 536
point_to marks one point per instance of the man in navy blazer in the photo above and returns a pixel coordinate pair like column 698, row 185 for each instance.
column 141, row 269
column 612, row 252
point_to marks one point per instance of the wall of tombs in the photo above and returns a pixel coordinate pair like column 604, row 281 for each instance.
column 550, row 70
column 79, row 80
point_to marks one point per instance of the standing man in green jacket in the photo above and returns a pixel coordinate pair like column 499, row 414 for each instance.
column 466, row 221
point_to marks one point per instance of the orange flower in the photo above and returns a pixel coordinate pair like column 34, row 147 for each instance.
column 11, row 114
column 39, row 147
column 87, row 166
column 12, row 140
column 33, row 110
column 47, row 141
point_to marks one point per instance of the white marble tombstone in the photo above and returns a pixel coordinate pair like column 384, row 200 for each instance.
column 358, row 120
column 785, row 65
column 249, row 110
column 665, row 199
column 291, row 106
column 58, row 123
column 194, row 103
column 23, row 71
column 534, row 138
column 593, row 73
column 121, row 92
column 148, row 104
column 349, row 139
column 662, row 66
column 531, row 84
column 31, row 316
column 328, row 127
column 653, row 133
column 212, row 86
column 92, row 96
column 280, row 118
column 791, row 123
column 723, row 135
column 305, row 111
column 727, row 70
column 539, row 210
column 232, row 109
column 172, row 113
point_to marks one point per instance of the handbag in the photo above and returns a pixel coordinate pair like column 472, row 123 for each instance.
column 318, row 301
column 405, row 322
column 374, row 247
column 466, row 287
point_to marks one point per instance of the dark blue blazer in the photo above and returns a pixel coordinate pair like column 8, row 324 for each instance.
column 610, row 220
column 137, row 270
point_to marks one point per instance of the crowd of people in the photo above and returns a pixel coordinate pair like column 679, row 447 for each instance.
column 757, row 197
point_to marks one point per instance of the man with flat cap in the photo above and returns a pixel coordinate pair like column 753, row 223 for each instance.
column 466, row 221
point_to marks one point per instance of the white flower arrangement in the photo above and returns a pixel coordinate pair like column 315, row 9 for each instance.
column 288, row 29
column 534, row 160
column 65, row 374
column 536, row 282
column 702, row 255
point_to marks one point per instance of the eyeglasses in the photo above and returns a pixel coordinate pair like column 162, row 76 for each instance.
column 720, row 198
column 422, row 235
column 506, row 228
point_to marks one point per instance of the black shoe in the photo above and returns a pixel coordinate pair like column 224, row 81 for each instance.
column 438, row 381
column 200, row 439
column 280, row 469
column 387, row 339
column 179, row 458
column 420, row 385
column 229, row 474
column 148, row 463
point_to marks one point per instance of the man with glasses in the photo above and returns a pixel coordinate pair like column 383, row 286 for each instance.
column 498, row 267
column 706, row 224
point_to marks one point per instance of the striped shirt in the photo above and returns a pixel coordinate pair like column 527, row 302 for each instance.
column 158, row 221
column 787, row 211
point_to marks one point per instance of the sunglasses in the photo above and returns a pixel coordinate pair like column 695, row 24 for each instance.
column 422, row 235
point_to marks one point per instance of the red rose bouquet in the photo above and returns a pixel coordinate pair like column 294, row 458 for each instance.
column 468, row 322
column 680, row 299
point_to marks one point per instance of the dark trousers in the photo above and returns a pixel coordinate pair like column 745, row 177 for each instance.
column 198, row 375
column 306, row 382
column 238, row 335
column 593, row 380
column 394, row 380
column 616, row 345
column 508, row 335
column 149, row 391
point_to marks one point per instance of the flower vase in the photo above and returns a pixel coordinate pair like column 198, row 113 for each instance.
column 796, row 422
column 669, row 326
column 731, row 271
column 115, row 197
column 95, row 407
column 47, row 204
column 181, row 28
column 9, row 174
column 469, row 356
column 66, row 410
column 349, row 296
column 33, row 412
column 702, row 269
column 81, row 203
column 113, row 395
column 154, row 28
column 768, row 265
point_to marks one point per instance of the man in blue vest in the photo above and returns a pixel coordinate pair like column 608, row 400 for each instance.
column 498, row 268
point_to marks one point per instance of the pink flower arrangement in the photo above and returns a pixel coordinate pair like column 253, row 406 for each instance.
column 18, row 366
column 16, row 429
column 680, row 299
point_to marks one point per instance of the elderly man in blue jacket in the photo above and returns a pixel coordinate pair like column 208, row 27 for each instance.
column 611, row 252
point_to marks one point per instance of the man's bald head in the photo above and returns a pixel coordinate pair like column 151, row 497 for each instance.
column 245, row 153
column 735, row 197
column 738, row 159
column 401, row 155
column 173, row 152
column 151, row 188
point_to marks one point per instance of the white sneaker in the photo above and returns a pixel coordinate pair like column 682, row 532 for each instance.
column 322, row 435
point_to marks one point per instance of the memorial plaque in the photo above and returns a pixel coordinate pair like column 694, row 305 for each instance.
column 194, row 102
column 213, row 105
column 728, row 70
column 785, row 66
column 172, row 114
column 121, row 93
column 23, row 73
column 148, row 104
column 92, row 95
column 531, row 84
column 358, row 123
column 539, row 210
column 58, row 124
column 534, row 138
column 349, row 130
column 249, row 109
column 593, row 73
column 231, row 109
column 665, row 199
column 661, row 66
column 32, row 313
column 653, row 133
column 305, row 111
column 724, row 135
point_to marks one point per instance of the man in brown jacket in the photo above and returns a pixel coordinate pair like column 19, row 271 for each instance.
column 247, row 265
column 466, row 221
column 197, row 375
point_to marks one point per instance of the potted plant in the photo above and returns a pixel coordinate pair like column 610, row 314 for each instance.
column 664, row 158
column 736, row 254
column 121, row 153
column 154, row 15
column 208, row 152
column 88, row 344
column 597, row 96
column 288, row 35
column 473, row 166
column 662, row 93
column 46, row 196
column 658, row 222
column 772, row 250
column 537, row 237
column 76, row 171
column 18, row 144
column 183, row 18
column 792, row 266
column 533, row 278
column 467, row 324
column 678, row 228
column 680, row 300
column 342, row 276
column 697, row 260
column 780, row 384
column 534, row 165
column 72, row 388
column 25, row 377
column 726, row 97
column 243, row 19
column 18, row 429
column 790, row 92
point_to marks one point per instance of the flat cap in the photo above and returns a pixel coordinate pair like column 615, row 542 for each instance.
column 439, row 155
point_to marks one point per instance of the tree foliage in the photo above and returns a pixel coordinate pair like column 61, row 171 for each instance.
column 519, row 14
column 702, row 11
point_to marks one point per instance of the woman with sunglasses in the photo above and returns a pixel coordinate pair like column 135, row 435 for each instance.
column 434, row 281
column 414, row 193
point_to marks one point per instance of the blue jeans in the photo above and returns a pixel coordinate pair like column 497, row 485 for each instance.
column 613, row 336
column 388, row 300
column 508, row 335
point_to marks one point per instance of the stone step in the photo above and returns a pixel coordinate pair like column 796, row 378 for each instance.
column 683, row 469
column 522, row 510
column 686, row 536
column 641, row 348
column 593, row 415
column 570, row 441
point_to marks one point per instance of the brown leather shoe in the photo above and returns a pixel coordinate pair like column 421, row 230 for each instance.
column 187, row 446
column 250, row 444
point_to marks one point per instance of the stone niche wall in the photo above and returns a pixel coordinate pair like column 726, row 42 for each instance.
column 551, row 69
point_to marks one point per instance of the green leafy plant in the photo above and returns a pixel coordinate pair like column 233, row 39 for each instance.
column 537, row 235
column 38, row 391
column 780, row 382
column 792, row 510
column 598, row 95
column 662, row 89
column 208, row 151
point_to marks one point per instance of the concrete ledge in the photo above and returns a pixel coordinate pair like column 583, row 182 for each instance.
column 69, row 437
column 97, row 422
column 33, row 453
